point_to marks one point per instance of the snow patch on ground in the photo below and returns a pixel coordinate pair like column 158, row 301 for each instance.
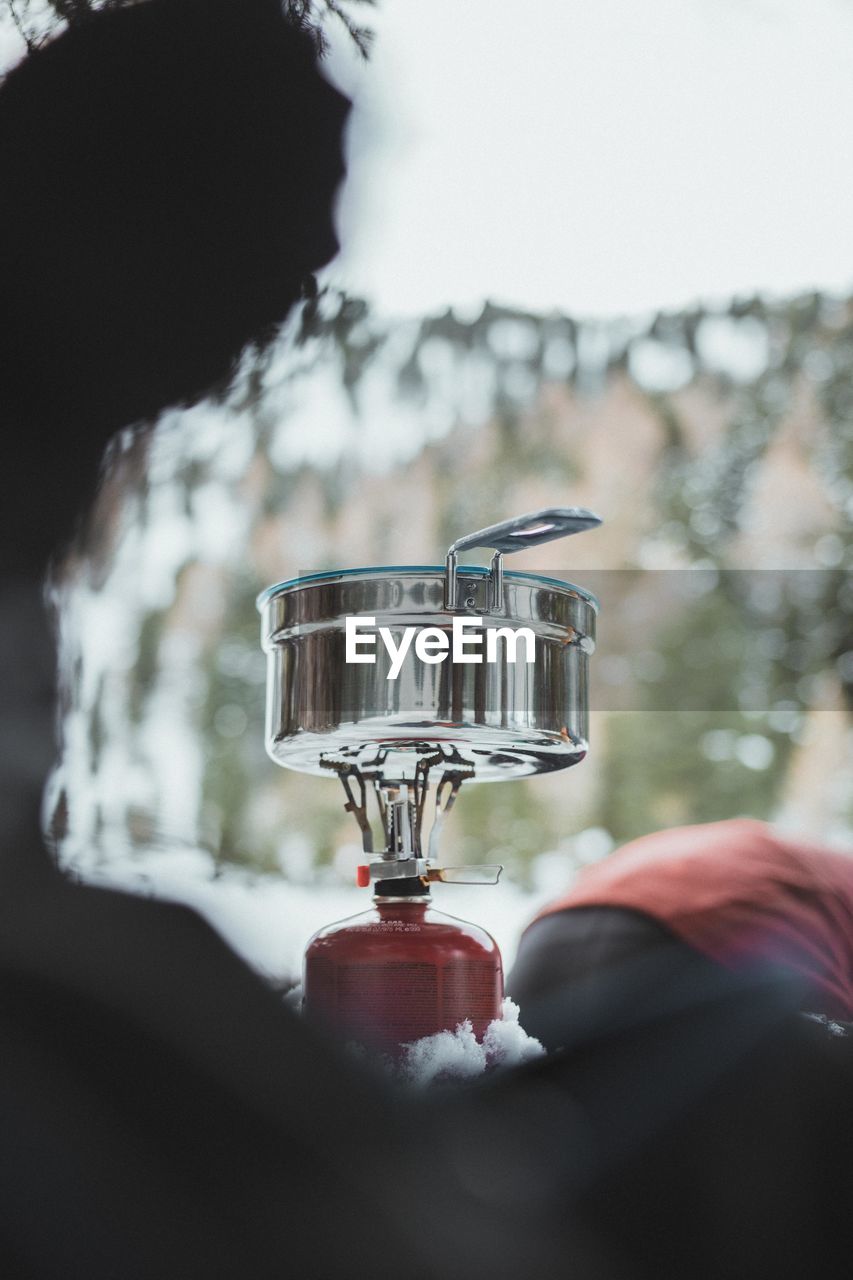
column 832, row 1027
column 450, row 1055
column 458, row 1055
column 293, row 997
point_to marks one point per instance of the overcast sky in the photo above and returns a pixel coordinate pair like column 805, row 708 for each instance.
column 599, row 155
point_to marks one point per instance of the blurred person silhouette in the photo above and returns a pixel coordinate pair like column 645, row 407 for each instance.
column 168, row 176
column 734, row 892
column 168, row 172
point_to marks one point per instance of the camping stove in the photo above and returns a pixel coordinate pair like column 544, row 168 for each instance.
column 392, row 728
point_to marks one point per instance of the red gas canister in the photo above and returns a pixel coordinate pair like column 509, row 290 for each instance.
column 481, row 675
column 400, row 971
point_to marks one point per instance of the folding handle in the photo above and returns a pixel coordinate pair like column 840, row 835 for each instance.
column 528, row 531
column 514, row 535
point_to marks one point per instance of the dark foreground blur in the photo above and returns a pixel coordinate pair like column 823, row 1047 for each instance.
column 164, row 1115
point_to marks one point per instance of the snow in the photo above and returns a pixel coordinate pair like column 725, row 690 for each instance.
column 506, row 1042
column 738, row 348
column 659, row 366
column 833, row 1028
column 293, row 997
column 458, row 1055
column 451, row 1055
column 455, row 1054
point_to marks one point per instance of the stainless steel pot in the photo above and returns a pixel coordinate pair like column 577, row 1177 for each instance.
column 485, row 720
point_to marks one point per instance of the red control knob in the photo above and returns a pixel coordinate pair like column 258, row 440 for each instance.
column 362, row 877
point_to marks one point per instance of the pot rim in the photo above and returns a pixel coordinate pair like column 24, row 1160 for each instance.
column 334, row 575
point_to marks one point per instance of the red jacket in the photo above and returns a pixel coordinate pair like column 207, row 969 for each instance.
column 739, row 893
